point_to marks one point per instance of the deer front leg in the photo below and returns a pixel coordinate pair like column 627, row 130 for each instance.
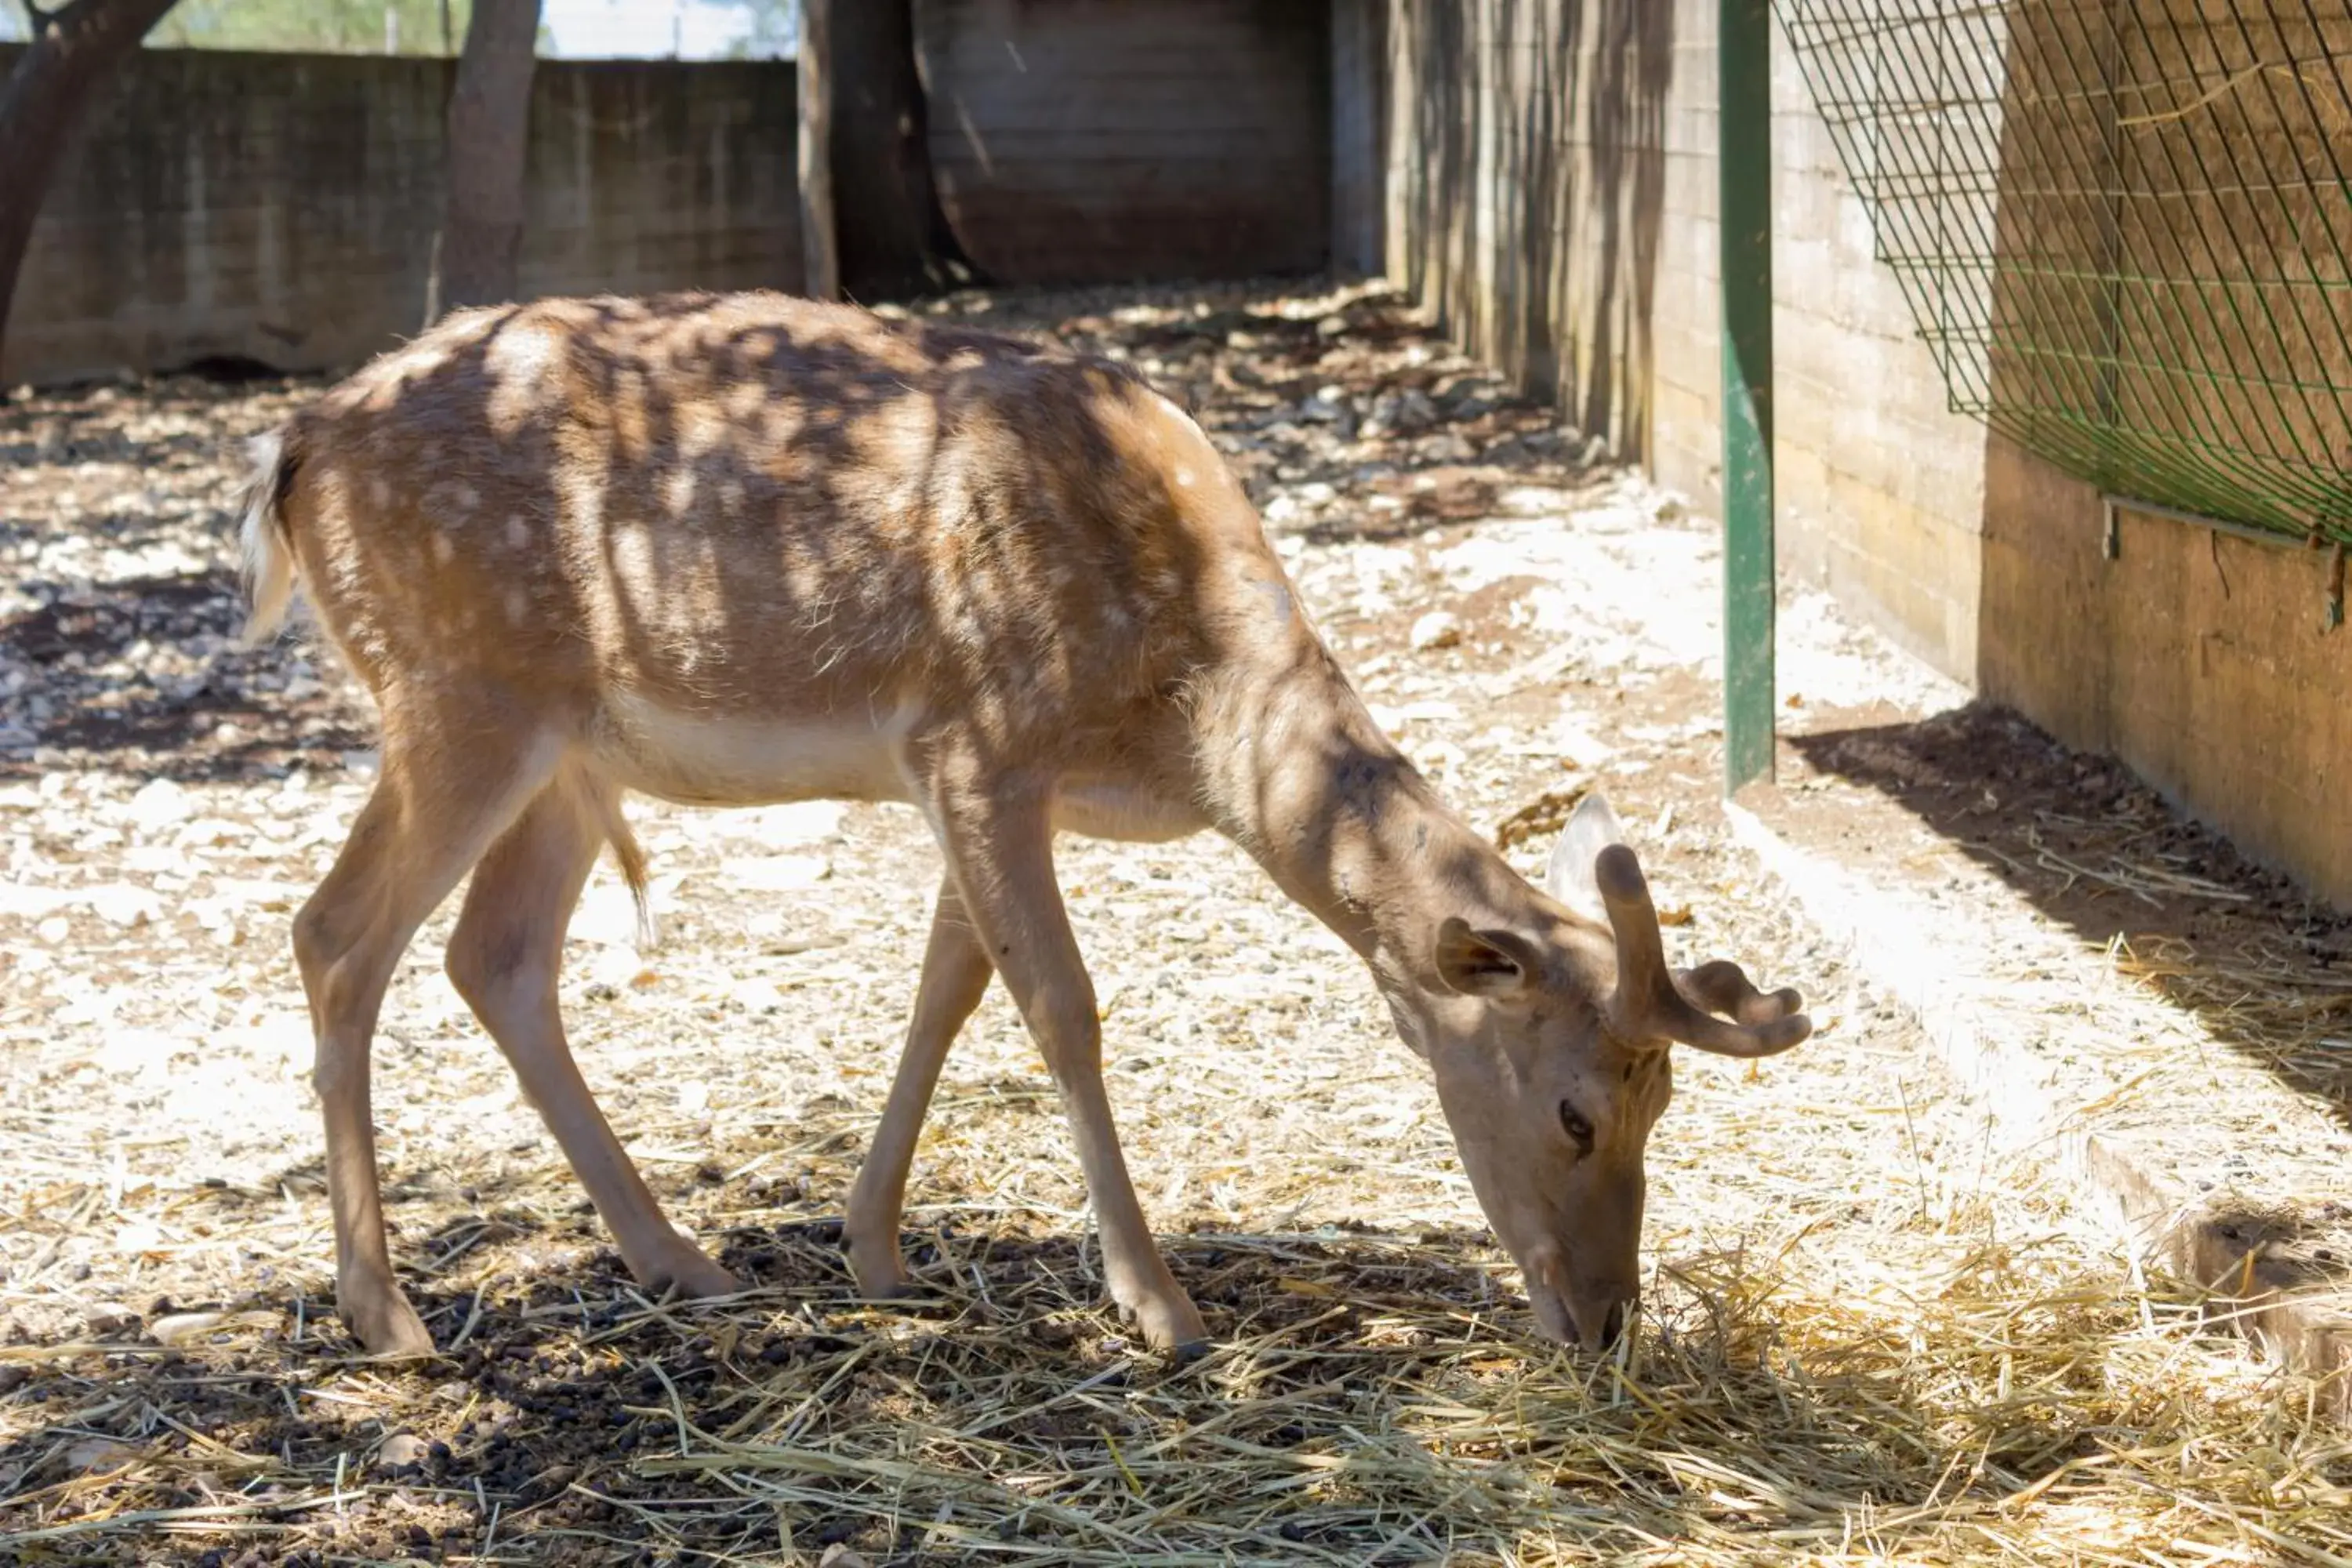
column 999, row 843
column 955, row 977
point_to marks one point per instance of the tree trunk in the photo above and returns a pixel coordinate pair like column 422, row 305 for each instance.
column 820, row 255
column 490, row 122
column 71, row 51
column 892, row 234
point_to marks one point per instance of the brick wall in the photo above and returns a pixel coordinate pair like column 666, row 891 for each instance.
column 281, row 208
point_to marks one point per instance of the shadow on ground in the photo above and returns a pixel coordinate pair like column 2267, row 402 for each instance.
column 108, row 702
column 2261, row 964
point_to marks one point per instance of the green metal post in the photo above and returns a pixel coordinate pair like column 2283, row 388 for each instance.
column 1744, row 131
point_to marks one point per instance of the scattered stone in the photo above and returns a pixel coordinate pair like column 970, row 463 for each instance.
column 121, row 904
column 1437, row 630
column 160, row 804
column 98, row 1455
column 402, row 1450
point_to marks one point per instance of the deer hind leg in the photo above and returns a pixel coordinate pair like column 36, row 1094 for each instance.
column 504, row 959
column 444, row 794
column 955, row 977
column 1000, row 852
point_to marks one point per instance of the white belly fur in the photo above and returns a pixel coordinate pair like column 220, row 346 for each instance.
column 1098, row 810
column 697, row 759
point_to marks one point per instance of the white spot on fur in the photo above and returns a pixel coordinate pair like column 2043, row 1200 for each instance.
column 379, row 494
column 520, row 362
column 633, row 560
column 517, row 606
column 445, row 549
column 585, row 496
column 1184, row 478
column 518, row 534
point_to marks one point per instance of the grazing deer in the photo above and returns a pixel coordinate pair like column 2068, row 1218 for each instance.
column 747, row 549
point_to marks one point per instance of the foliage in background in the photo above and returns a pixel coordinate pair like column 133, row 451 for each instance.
column 773, row 31
column 328, row 26
column 766, row 29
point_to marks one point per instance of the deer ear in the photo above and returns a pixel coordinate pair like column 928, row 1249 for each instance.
column 1491, row 963
column 1591, row 827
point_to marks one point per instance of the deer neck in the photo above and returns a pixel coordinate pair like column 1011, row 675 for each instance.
column 1301, row 777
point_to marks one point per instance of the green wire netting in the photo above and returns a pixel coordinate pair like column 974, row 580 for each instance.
column 2122, row 225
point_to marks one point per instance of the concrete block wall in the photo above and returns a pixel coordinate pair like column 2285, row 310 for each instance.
column 2199, row 659
column 1076, row 142
column 1881, row 487
column 1527, row 154
column 1562, row 220
column 281, row 208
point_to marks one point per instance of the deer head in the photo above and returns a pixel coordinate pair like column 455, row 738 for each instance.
column 1551, row 1051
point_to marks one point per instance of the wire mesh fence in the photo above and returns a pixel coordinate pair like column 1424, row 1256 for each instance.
column 2123, row 226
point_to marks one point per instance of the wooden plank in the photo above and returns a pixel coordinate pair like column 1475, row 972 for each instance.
column 1157, row 139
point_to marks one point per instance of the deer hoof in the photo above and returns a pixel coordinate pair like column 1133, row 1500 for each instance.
column 1174, row 1327
column 899, row 1289
column 385, row 1324
column 692, row 1275
column 880, row 1275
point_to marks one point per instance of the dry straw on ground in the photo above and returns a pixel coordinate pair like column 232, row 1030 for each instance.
column 1367, row 1405
column 1871, row 1339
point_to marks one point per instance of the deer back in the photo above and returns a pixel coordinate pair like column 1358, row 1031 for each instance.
column 753, row 510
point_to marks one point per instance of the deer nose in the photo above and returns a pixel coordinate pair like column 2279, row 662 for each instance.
column 1601, row 1322
column 1612, row 1327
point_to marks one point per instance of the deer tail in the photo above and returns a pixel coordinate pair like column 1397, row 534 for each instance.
column 266, row 540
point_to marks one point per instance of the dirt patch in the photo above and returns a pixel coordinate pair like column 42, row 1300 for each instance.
column 1871, row 1335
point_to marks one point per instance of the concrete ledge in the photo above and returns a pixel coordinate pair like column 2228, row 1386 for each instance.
column 2182, row 1202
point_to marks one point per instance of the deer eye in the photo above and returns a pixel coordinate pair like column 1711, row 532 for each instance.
column 1572, row 1122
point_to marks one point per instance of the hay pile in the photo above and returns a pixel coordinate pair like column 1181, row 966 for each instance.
column 1372, row 1402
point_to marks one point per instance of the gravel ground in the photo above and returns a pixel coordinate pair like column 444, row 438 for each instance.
column 1830, row 1234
